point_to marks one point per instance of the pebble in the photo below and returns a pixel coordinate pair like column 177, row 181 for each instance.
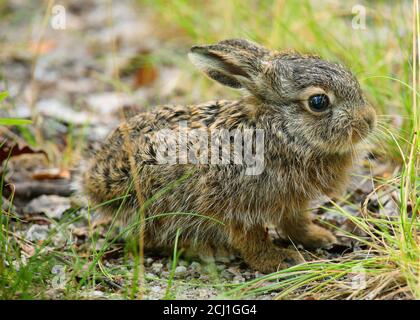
column 59, row 239
column 204, row 278
column 195, row 266
column 157, row 267
column 51, row 205
column 238, row 279
column 93, row 294
column 149, row 261
column 226, row 274
column 156, row 289
column 180, row 271
column 37, row 232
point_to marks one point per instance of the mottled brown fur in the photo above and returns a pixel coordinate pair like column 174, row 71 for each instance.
column 306, row 156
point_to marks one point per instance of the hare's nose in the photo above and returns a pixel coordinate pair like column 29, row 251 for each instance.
column 369, row 116
column 370, row 121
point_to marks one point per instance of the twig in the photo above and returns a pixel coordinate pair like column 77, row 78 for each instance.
column 33, row 189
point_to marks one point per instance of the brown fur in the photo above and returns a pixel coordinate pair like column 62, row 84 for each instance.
column 306, row 156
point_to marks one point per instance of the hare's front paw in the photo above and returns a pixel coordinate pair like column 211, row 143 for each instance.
column 274, row 259
column 317, row 237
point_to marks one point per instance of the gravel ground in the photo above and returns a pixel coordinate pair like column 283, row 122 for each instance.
column 71, row 85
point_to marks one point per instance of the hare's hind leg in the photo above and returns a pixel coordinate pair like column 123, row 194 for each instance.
column 300, row 228
column 259, row 252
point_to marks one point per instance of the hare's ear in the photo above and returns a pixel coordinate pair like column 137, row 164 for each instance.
column 234, row 63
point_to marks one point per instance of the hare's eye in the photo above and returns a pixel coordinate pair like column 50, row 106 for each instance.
column 319, row 102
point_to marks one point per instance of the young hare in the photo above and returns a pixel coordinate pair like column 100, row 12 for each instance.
column 312, row 114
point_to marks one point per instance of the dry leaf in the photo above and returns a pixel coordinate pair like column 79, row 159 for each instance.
column 42, row 47
column 51, row 174
column 145, row 75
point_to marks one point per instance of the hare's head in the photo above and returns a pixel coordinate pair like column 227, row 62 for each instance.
column 312, row 101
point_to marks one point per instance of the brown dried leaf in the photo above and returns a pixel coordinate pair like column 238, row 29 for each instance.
column 51, row 174
column 145, row 75
column 42, row 47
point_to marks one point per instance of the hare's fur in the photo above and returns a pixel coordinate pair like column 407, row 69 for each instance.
column 306, row 156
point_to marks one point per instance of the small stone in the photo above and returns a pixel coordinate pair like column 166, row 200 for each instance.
column 37, row 233
column 59, row 240
column 62, row 112
column 204, row 278
column 156, row 289
column 195, row 266
column 226, row 274
column 157, row 267
column 203, row 293
column 238, row 279
column 108, row 102
column 93, row 294
column 51, row 205
column 149, row 261
column 180, row 271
